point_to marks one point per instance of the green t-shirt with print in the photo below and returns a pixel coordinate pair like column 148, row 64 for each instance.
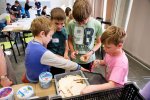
column 84, row 37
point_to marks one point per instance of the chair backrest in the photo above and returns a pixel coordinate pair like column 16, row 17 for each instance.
column 7, row 43
column 3, row 37
column 104, row 23
column 99, row 18
column 27, row 37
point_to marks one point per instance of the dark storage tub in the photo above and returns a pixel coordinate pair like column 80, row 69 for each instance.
column 128, row 92
column 59, row 76
column 94, row 78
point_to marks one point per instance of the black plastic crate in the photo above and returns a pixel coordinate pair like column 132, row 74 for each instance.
column 128, row 92
column 94, row 78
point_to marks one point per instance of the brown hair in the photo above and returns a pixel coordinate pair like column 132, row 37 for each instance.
column 81, row 10
column 44, row 7
column 41, row 24
column 58, row 14
column 67, row 10
column 114, row 35
column 17, row 2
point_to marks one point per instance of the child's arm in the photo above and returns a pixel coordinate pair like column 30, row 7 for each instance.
column 86, row 57
column 92, row 88
column 101, row 62
column 97, row 44
column 66, row 50
column 3, row 68
column 4, row 81
column 51, row 59
column 73, row 52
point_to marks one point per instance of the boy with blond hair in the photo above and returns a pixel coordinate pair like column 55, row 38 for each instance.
column 84, row 32
column 59, row 43
column 115, row 60
column 38, row 59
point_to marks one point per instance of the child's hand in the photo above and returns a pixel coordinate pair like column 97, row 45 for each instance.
column 83, row 69
column 5, row 82
column 96, row 63
column 73, row 54
column 84, row 58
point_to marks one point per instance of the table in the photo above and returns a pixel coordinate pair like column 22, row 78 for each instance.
column 40, row 92
column 93, row 78
column 19, row 26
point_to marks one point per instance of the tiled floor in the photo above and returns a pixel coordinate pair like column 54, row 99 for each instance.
column 137, row 73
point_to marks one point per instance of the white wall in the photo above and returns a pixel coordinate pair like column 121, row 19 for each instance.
column 2, row 6
column 138, row 31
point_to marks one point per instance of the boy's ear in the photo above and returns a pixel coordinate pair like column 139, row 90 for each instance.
column 42, row 33
column 120, row 45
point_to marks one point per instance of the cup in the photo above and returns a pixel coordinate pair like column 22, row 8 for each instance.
column 25, row 92
column 45, row 79
column 6, row 93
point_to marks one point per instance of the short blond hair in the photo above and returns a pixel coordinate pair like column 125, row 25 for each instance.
column 41, row 24
column 113, row 35
column 81, row 10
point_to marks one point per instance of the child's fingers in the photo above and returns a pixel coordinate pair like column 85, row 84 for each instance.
column 96, row 63
column 76, row 52
column 92, row 68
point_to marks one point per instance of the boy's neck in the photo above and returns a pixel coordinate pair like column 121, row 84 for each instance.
column 37, row 39
column 119, row 52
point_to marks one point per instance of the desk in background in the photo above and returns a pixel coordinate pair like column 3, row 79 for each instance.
column 19, row 26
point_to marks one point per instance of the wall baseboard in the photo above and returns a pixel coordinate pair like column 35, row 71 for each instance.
column 145, row 65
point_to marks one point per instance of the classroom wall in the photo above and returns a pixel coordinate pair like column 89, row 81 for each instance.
column 138, row 31
column 98, row 8
column 2, row 6
column 109, row 10
column 49, row 3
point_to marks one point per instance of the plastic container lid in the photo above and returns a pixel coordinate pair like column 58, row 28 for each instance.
column 45, row 79
column 45, row 76
column 6, row 93
column 25, row 92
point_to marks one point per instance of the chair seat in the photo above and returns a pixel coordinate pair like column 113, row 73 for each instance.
column 28, row 39
column 28, row 35
column 7, row 45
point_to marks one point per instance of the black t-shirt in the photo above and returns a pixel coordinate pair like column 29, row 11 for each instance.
column 27, row 7
column 43, row 12
column 16, row 8
column 38, row 5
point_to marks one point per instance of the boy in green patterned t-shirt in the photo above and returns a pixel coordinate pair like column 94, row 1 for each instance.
column 83, row 31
